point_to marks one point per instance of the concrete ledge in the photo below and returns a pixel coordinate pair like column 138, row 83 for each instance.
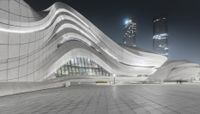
column 11, row 88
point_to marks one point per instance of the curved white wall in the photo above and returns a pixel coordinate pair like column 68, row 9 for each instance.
column 177, row 70
column 29, row 48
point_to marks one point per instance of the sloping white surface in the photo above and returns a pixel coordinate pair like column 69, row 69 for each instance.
column 177, row 70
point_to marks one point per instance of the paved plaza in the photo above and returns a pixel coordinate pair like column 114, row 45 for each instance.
column 130, row 99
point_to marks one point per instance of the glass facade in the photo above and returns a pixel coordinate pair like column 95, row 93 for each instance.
column 81, row 66
column 160, row 35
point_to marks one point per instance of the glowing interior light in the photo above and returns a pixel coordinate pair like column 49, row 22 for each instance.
column 127, row 21
column 166, row 48
column 166, row 54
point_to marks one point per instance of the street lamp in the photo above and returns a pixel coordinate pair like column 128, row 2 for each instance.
column 114, row 75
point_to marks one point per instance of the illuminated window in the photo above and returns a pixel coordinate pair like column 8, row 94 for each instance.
column 81, row 66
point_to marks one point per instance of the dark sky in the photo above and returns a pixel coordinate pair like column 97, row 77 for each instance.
column 108, row 15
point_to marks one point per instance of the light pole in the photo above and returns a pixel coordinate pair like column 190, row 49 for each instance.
column 114, row 75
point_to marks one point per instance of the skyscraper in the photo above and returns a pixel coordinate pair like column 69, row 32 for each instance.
column 129, row 32
column 160, row 35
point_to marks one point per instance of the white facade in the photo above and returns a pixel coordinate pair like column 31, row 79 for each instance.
column 34, row 46
column 177, row 70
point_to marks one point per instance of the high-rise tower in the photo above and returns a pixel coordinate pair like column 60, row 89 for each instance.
column 129, row 32
column 160, row 35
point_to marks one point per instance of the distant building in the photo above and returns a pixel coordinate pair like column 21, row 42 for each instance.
column 160, row 35
column 129, row 32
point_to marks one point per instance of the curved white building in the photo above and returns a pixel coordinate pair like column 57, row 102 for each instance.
column 33, row 46
column 177, row 70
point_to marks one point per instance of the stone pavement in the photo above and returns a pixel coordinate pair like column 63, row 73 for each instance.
column 132, row 99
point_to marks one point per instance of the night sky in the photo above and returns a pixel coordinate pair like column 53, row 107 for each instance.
column 108, row 16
